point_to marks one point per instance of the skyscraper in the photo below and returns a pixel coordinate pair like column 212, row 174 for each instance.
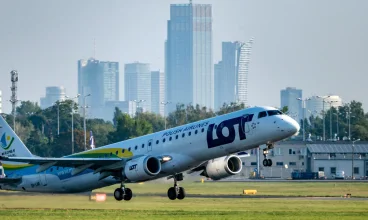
column 289, row 98
column 189, row 63
column 157, row 92
column 100, row 79
column 138, row 84
column 232, row 74
column 53, row 94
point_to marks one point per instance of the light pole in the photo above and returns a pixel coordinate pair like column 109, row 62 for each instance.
column 137, row 105
column 58, row 117
column 165, row 103
column 72, row 113
column 303, row 106
column 352, row 159
column 84, row 120
column 349, row 116
column 337, row 123
column 330, row 102
column 323, row 114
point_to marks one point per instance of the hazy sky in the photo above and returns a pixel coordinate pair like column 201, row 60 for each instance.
column 318, row 46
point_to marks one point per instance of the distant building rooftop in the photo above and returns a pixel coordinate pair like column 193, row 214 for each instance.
column 337, row 148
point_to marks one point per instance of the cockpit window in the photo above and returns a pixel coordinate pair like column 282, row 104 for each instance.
column 262, row 114
column 274, row 112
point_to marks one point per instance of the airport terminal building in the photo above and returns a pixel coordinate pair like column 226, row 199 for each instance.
column 329, row 157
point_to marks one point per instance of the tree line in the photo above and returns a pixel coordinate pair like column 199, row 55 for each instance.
column 38, row 128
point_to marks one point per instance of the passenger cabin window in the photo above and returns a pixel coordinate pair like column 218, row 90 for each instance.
column 136, row 147
column 262, row 114
column 123, row 150
column 129, row 149
column 142, row 145
column 170, row 138
column 274, row 112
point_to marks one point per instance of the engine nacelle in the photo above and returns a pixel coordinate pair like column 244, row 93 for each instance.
column 223, row 167
column 142, row 168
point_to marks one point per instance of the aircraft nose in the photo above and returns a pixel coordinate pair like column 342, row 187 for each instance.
column 292, row 126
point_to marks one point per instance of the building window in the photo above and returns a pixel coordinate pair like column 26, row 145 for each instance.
column 292, row 163
column 253, row 163
column 321, row 169
column 290, row 151
column 277, row 151
column 356, row 170
column 279, row 163
column 333, row 170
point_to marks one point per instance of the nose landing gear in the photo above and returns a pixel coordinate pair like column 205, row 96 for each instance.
column 176, row 192
column 267, row 162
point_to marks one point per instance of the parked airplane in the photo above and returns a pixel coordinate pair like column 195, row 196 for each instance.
column 210, row 146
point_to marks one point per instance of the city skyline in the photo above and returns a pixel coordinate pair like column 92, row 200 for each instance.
column 316, row 46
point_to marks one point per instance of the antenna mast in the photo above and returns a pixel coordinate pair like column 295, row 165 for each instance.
column 13, row 98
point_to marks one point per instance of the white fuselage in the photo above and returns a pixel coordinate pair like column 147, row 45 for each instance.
column 188, row 146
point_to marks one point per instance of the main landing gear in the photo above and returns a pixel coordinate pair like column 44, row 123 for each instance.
column 123, row 193
column 176, row 192
column 267, row 162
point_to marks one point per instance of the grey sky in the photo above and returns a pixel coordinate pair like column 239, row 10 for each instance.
column 318, row 46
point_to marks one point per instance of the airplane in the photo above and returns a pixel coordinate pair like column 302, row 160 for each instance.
column 212, row 146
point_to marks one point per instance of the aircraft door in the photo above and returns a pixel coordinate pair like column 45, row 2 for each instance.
column 149, row 145
column 245, row 123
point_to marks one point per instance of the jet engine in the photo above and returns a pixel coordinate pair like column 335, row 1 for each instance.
column 223, row 167
column 142, row 168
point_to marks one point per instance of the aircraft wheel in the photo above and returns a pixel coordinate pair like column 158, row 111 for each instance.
column 265, row 163
column 172, row 194
column 181, row 194
column 269, row 162
column 118, row 194
column 128, row 194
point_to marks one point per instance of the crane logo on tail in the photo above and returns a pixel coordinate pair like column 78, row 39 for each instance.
column 6, row 141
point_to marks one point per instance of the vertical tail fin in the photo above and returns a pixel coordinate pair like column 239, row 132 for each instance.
column 10, row 143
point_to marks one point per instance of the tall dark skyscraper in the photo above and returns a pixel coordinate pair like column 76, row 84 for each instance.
column 101, row 80
column 189, row 62
column 231, row 74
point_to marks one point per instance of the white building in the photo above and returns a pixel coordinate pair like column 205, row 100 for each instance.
column 107, row 111
column 289, row 97
column 157, row 92
column 53, row 94
column 317, row 104
column 138, row 84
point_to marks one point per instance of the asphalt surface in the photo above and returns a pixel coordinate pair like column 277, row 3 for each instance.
column 225, row 196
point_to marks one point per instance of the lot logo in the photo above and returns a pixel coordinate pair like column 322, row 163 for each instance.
column 6, row 141
column 229, row 124
column 133, row 167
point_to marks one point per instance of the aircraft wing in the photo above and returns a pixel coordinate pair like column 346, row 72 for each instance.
column 80, row 164
column 66, row 162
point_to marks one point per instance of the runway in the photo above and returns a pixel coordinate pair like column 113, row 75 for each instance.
column 223, row 196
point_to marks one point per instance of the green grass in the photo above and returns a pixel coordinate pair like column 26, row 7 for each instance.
column 336, row 189
column 44, row 206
